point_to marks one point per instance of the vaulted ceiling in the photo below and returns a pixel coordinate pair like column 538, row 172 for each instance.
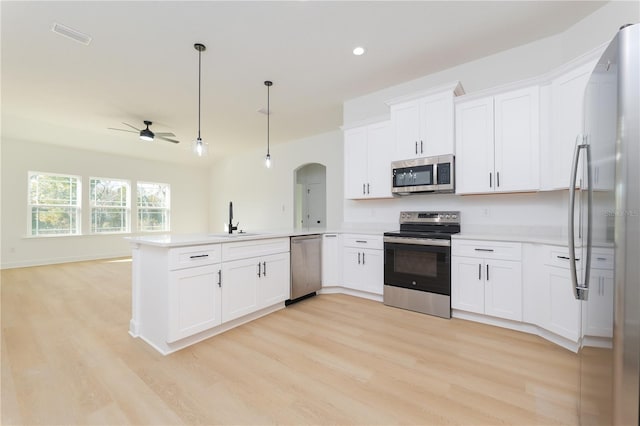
column 141, row 64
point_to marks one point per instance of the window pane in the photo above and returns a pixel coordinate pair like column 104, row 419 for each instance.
column 152, row 220
column 53, row 220
column 53, row 190
column 153, row 195
column 106, row 192
column 109, row 220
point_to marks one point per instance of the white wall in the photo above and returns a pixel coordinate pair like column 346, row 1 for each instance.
column 264, row 198
column 189, row 208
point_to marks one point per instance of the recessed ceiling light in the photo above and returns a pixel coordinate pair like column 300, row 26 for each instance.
column 359, row 51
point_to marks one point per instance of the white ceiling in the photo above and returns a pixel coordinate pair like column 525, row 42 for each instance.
column 141, row 64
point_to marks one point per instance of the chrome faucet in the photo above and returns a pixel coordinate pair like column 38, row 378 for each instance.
column 231, row 227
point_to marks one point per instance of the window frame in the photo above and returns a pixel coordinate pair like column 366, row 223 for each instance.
column 126, row 208
column 166, row 210
column 75, row 210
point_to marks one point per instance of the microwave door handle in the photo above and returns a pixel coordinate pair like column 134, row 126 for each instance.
column 435, row 176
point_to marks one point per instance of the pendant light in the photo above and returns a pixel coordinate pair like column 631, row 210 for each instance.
column 267, row 159
column 199, row 148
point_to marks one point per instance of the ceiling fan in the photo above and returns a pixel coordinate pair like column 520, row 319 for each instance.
column 147, row 134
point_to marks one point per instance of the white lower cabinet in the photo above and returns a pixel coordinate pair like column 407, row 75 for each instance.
column 254, row 283
column 564, row 310
column 486, row 278
column 194, row 301
column 331, row 260
column 598, row 315
column 487, row 286
column 363, row 263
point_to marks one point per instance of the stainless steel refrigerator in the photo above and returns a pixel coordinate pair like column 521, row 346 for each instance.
column 604, row 217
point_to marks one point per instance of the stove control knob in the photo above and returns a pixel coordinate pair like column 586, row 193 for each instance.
column 447, row 216
column 454, row 216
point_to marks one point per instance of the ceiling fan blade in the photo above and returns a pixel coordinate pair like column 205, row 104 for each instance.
column 127, row 124
column 166, row 139
column 164, row 134
column 121, row 130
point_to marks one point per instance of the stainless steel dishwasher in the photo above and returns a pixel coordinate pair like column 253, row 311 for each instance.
column 306, row 267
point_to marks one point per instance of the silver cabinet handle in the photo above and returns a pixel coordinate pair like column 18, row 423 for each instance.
column 259, row 270
column 363, row 258
column 361, row 241
column 579, row 290
column 330, row 235
column 487, row 272
column 490, row 181
column 219, row 277
column 421, row 148
column 498, row 179
column 264, row 269
column 416, row 147
column 363, row 193
column 483, row 249
column 358, row 258
column 479, row 271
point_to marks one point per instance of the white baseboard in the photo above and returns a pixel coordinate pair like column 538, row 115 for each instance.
column 58, row 260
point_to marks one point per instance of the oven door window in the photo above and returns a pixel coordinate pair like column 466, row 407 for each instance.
column 424, row 268
column 413, row 176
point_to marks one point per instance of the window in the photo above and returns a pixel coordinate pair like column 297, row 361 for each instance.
column 110, row 205
column 153, row 206
column 54, row 204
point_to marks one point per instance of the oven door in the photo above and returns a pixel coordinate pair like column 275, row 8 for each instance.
column 418, row 265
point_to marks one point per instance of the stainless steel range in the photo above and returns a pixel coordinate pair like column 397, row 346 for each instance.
column 417, row 262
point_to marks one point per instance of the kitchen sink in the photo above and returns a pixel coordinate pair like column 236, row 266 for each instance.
column 235, row 235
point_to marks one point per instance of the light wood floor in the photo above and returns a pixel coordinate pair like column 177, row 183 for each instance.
column 332, row 359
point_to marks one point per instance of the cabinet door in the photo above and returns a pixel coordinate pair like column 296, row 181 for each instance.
column 352, row 267
column 355, row 162
column 567, row 122
column 467, row 284
column 331, row 260
column 194, row 301
column 379, row 153
column 406, row 126
column 239, row 288
column 517, row 165
column 503, row 289
column 474, row 147
column 600, row 304
column 564, row 310
column 274, row 283
column 372, row 275
column 436, row 125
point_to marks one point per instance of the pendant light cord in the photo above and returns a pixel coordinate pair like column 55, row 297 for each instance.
column 199, row 85
column 268, row 118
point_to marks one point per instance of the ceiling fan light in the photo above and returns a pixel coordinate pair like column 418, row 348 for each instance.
column 146, row 134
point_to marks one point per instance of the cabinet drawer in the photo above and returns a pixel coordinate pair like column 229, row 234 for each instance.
column 363, row 241
column 559, row 256
column 188, row 257
column 602, row 259
column 254, row 248
column 487, row 249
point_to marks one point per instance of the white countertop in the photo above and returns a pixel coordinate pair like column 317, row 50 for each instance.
column 180, row 240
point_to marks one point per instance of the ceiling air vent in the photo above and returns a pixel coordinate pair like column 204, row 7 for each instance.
column 71, row 33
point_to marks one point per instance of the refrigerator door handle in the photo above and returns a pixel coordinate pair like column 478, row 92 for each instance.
column 579, row 290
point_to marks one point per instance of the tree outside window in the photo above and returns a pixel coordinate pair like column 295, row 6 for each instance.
column 110, row 205
column 153, row 206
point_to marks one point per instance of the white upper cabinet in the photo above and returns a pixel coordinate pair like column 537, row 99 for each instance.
column 367, row 161
column 497, row 143
column 424, row 126
column 565, row 115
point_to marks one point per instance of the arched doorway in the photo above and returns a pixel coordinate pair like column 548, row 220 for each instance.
column 310, row 196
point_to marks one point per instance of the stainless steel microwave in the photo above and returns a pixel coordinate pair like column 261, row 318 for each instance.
column 429, row 174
